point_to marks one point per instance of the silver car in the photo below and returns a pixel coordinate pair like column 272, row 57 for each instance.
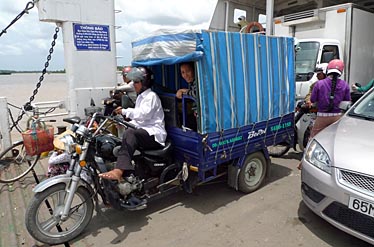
column 338, row 171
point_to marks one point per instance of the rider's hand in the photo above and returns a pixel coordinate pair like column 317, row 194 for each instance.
column 354, row 87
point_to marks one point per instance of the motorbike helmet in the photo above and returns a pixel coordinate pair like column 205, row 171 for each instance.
column 126, row 70
column 241, row 18
column 335, row 66
column 141, row 74
column 321, row 68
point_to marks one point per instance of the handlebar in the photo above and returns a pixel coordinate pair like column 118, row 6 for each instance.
column 120, row 120
column 305, row 108
column 115, row 118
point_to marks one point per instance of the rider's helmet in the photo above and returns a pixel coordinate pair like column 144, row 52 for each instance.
column 335, row 66
column 241, row 18
column 126, row 70
column 141, row 74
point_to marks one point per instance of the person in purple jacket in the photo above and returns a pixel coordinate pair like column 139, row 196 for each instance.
column 327, row 94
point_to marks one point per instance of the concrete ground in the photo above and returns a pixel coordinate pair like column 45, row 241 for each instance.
column 213, row 215
column 216, row 215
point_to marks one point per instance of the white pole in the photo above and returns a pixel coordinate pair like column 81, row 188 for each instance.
column 269, row 16
column 6, row 140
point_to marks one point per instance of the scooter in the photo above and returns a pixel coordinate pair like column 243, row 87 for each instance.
column 116, row 98
column 304, row 120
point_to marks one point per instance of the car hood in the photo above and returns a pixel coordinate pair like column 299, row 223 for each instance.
column 349, row 143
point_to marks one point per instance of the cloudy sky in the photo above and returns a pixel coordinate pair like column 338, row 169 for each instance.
column 26, row 44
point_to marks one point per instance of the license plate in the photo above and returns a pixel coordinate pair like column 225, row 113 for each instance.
column 361, row 206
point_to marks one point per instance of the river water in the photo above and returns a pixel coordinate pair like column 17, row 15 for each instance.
column 18, row 87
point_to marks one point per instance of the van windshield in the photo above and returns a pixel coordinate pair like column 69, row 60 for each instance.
column 306, row 57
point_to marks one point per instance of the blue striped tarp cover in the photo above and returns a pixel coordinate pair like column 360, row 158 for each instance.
column 242, row 78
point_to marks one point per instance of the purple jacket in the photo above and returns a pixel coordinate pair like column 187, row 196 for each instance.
column 321, row 94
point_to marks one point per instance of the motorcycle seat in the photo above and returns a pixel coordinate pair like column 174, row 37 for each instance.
column 158, row 152
column 72, row 120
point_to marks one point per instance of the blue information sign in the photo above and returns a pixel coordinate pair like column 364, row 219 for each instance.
column 91, row 37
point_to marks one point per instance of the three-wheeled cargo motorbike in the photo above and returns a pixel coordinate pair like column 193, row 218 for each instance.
column 244, row 102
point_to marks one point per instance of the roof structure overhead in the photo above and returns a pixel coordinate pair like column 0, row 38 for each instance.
column 283, row 7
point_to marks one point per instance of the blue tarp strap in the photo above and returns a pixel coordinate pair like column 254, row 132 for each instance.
column 276, row 132
column 233, row 143
column 219, row 141
column 246, row 145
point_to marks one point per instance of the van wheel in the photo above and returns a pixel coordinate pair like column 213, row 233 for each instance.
column 253, row 172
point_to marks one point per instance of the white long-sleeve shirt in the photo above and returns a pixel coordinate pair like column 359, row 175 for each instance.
column 148, row 115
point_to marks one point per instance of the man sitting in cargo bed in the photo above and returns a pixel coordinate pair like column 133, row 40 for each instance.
column 188, row 74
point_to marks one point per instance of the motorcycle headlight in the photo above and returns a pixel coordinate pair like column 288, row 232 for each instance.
column 318, row 157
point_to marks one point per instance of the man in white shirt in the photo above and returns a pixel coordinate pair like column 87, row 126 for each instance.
column 147, row 116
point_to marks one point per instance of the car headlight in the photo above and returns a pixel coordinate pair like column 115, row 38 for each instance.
column 318, row 157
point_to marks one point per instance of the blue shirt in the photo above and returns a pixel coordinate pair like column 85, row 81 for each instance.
column 321, row 94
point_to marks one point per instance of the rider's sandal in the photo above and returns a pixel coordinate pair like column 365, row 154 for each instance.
column 115, row 174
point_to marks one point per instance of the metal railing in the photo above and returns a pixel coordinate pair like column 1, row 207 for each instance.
column 5, row 132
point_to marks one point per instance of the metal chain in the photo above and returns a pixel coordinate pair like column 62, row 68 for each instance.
column 28, row 7
column 27, row 106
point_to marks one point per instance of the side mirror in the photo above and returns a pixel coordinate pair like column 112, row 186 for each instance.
column 127, row 102
column 345, row 105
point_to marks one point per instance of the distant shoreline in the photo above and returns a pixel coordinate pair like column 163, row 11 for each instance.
column 5, row 73
column 9, row 72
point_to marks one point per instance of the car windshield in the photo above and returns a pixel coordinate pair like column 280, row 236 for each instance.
column 306, row 57
column 365, row 108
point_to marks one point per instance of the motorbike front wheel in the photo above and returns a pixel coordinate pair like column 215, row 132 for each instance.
column 43, row 215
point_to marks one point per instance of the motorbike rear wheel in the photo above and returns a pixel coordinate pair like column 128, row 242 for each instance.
column 278, row 150
column 43, row 215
